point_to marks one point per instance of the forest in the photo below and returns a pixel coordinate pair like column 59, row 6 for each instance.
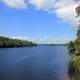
column 8, row 42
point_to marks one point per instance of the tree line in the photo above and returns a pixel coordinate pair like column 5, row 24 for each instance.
column 76, row 43
column 8, row 42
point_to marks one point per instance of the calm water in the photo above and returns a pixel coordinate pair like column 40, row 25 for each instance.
column 37, row 63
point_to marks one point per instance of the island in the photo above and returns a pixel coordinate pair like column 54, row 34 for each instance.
column 6, row 42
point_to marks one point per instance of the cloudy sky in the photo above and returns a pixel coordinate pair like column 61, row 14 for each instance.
column 44, row 21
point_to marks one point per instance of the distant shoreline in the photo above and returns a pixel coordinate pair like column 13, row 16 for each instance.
column 6, row 42
column 54, row 44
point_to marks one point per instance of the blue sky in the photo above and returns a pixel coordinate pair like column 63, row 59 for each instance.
column 36, row 24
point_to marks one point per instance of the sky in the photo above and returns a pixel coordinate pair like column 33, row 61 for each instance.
column 42, row 21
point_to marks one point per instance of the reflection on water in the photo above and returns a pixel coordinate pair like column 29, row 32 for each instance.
column 38, row 63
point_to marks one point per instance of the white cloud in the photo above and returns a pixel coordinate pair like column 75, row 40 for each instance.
column 68, row 14
column 20, row 4
column 43, row 40
column 20, row 37
column 43, row 4
column 17, row 37
column 64, row 9
column 53, row 40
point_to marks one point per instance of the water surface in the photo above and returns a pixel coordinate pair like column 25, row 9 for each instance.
column 36, row 63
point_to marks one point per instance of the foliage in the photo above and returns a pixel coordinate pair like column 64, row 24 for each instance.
column 75, row 62
column 7, row 42
column 71, row 45
column 75, row 44
column 75, row 68
column 78, row 10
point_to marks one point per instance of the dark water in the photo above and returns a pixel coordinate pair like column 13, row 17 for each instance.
column 37, row 63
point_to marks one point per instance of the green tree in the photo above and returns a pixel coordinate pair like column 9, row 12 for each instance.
column 71, row 45
column 78, row 10
column 7, row 42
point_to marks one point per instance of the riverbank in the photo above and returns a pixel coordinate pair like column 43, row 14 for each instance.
column 75, row 67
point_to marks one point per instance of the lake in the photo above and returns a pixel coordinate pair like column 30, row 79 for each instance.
column 35, row 63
